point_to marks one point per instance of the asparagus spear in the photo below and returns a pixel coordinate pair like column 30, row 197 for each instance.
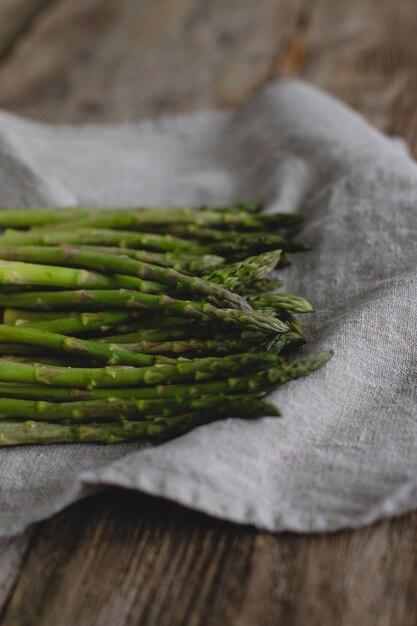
column 97, row 300
column 261, row 286
column 72, row 257
column 236, row 240
column 85, row 322
column 32, row 432
column 124, row 376
column 113, row 409
column 239, row 245
column 24, row 218
column 237, row 275
column 281, row 302
column 27, row 384
column 149, row 219
column 11, row 316
column 170, row 334
column 56, row 342
column 103, row 237
column 16, row 273
column 188, row 347
column 185, row 263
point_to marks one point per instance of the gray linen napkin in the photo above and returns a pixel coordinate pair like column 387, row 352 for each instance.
column 345, row 452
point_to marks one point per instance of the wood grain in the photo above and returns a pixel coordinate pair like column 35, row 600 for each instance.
column 121, row 559
column 105, row 60
column 16, row 17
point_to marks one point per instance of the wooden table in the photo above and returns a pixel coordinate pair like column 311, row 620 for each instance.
column 120, row 558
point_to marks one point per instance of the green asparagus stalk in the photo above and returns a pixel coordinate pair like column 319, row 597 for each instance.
column 107, row 353
column 239, row 245
column 30, row 386
column 87, row 322
column 83, row 323
column 235, row 241
column 250, row 207
column 149, row 219
column 173, row 333
column 185, row 263
column 97, row 300
column 17, row 350
column 11, row 316
column 124, row 376
column 29, row 355
column 187, row 347
column 237, row 275
column 32, row 432
column 16, row 273
column 25, row 218
column 72, row 257
column 261, row 286
column 286, row 317
column 281, row 302
column 103, row 237
column 113, row 409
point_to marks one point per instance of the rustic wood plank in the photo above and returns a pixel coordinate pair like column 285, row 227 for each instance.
column 119, row 559
column 364, row 52
column 101, row 60
column 12, row 554
column 123, row 559
column 16, row 16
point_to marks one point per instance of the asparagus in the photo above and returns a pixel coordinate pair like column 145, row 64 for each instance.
column 240, row 206
column 238, row 245
column 104, row 237
column 98, row 300
column 188, row 347
column 235, row 240
column 237, row 275
column 124, row 376
column 148, row 219
column 286, row 317
column 56, row 342
column 16, row 273
column 261, row 286
column 185, row 263
column 30, row 384
column 170, row 334
column 281, row 302
column 68, row 256
column 113, row 409
column 86, row 322
column 30, row 355
column 25, row 218
column 32, row 432
column 11, row 316
column 17, row 349
column 129, row 277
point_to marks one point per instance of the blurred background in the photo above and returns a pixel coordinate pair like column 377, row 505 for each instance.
column 99, row 60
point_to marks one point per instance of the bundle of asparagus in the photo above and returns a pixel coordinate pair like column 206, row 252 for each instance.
column 138, row 323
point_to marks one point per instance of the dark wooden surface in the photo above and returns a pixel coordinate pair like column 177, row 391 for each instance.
column 121, row 559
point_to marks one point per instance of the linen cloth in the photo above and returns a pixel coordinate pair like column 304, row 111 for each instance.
column 344, row 453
